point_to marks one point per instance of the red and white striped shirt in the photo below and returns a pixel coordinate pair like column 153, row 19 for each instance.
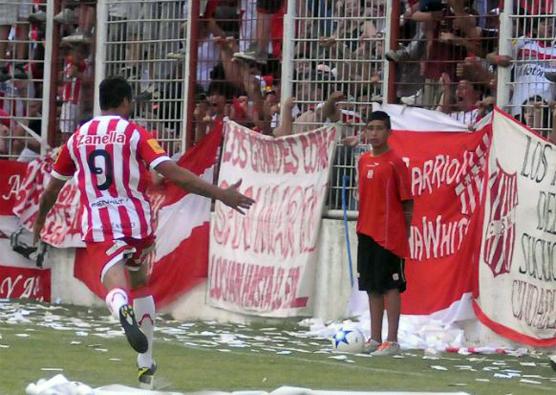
column 72, row 84
column 109, row 157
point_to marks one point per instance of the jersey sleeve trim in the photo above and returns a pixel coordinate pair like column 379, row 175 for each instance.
column 59, row 176
column 158, row 161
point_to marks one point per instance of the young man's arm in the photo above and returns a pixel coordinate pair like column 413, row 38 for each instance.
column 48, row 198
column 194, row 184
column 286, row 119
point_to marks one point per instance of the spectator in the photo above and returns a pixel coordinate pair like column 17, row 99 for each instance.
column 26, row 133
column 85, row 22
column 71, row 93
column 12, row 13
column 533, row 69
column 5, row 133
column 258, row 50
column 213, row 113
column 464, row 106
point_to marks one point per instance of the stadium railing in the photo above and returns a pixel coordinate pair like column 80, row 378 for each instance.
column 135, row 38
column 23, row 98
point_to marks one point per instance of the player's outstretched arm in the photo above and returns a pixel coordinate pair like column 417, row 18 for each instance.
column 48, row 199
column 194, row 184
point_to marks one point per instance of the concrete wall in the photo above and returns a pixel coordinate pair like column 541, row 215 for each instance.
column 332, row 283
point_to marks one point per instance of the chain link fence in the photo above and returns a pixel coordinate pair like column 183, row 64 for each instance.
column 529, row 79
column 22, row 34
column 145, row 43
column 338, row 70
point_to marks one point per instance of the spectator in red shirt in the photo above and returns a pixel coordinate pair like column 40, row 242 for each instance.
column 385, row 210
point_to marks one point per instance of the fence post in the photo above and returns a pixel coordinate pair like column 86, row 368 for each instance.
column 390, row 42
column 188, row 134
column 288, row 47
column 504, row 74
column 48, row 123
column 100, row 50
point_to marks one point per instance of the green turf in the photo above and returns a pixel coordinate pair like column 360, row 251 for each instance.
column 194, row 361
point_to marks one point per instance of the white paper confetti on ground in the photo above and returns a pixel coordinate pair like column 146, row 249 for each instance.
column 506, row 375
column 438, row 367
column 526, row 381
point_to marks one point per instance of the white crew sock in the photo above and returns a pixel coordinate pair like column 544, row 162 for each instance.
column 115, row 299
column 145, row 315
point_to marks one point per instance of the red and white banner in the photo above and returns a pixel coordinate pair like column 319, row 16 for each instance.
column 11, row 178
column 446, row 171
column 182, row 231
column 264, row 263
column 28, row 283
column 516, row 295
column 63, row 223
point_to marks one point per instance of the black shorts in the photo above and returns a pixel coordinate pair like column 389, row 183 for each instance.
column 269, row 6
column 378, row 269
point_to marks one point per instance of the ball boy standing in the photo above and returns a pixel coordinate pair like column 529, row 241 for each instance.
column 385, row 210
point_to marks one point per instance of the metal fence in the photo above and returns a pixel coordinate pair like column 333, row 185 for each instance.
column 527, row 84
column 22, row 54
column 335, row 68
column 144, row 41
column 442, row 57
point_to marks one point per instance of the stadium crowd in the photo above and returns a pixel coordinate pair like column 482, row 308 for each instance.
column 445, row 56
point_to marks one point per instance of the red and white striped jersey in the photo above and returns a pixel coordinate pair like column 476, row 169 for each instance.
column 110, row 157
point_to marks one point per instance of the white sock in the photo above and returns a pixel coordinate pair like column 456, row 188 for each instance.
column 115, row 299
column 145, row 315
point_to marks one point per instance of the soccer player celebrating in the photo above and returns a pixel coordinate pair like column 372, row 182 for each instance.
column 109, row 157
column 385, row 209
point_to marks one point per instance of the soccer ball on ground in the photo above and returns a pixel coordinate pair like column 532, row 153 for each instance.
column 350, row 340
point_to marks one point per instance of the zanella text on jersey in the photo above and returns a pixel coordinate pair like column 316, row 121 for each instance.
column 110, row 138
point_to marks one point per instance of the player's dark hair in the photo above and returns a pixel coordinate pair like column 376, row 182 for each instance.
column 113, row 91
column 380, row 116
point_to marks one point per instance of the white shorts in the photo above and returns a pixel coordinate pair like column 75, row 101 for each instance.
column 68, row 117
column 13, row 10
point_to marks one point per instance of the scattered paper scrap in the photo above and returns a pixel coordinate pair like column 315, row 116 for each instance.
column 527, row 381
